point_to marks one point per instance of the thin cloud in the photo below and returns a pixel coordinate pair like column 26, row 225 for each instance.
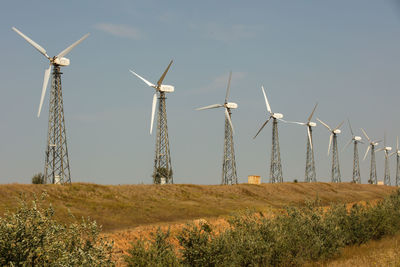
column 221, row 82
column 225, row 33
column 120, row 30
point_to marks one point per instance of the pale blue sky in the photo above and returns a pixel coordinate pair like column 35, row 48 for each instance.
column 343, row 54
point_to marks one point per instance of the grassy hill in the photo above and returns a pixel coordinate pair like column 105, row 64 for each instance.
column 118, row 207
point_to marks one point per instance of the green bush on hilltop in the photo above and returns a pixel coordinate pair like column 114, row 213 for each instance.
column 31, row 237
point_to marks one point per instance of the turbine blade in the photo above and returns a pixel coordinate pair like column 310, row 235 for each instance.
column 351, row 130
column 210, row 107
column 143, row 79
column 296, row 122
column 163, row 76
column 309, row 137
column 153, row 109
column 265, row 123
column 69, row 48
column 266, row 100
column 366, row 152
column 33, row 43
column 312, row 113
column 229, row 119
column 326, row 125
column 344, row 148
column 384, row 139
column 340, row 125
column 391, row 154
column 397, row 143
column 330, row 143
column 45, row 82
column 365, row 134
column 228, row 88
column 379, row 149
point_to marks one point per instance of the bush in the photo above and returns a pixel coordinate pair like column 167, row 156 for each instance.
column 156, row 252
column 31, row 236
column 38, row 179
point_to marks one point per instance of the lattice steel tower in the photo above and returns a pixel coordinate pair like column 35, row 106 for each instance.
column 335, row 171
column 229, row 174
column 310, row 175
column 56, row 170
column 397, row 152
column 356, row 162
column 162, row 158
column 386, row 150
column 372, row 170
column 386, row 178
column 162, row 172
column 275, row 166
column 335, row 175
column 356, row 165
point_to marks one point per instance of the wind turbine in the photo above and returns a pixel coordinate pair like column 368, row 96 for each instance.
column 335, row 173
column 276, row 166
column 372, row 171
column 310, row 175
column 356, row 162
column 162, row 172
column 229, row 175
column 57, row 169
column 397, row 152
column 386, row 150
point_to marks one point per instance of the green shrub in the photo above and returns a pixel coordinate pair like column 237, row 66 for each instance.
column 31, row 237
column 38, row 179
column 156, row 252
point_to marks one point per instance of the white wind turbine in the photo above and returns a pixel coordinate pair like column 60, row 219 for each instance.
column 371, row 146
column 57, row 170
column 161, row 88
column 386, row 150
column 58, row 60
column 229, row 174
column 310, row 175
column 335, row 174
column 162, row 172
column 397, row 152
column 276, row 166
column 356, row 162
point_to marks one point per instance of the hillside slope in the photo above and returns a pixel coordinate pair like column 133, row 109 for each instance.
column 118, row 207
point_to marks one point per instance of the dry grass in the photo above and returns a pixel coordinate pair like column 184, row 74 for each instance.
column 118, row 207
column 384, row 252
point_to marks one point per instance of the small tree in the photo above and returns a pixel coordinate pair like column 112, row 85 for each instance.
column 38, row 179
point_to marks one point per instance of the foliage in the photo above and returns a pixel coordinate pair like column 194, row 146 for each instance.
column 156, row 252
column 38, row 179
column 30, row 236
column 298, row 235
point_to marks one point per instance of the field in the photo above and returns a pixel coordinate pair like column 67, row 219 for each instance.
column 131, row 211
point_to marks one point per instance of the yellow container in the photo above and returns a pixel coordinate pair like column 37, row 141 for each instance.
column 254, row 179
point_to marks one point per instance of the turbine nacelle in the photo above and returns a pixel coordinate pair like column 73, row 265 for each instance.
column 357, row 138
column 63, row 61
column 277, row 115
column 231, row 105
column 336, row 131
column 388, row 148
column 167, row 88
column 312, row 124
